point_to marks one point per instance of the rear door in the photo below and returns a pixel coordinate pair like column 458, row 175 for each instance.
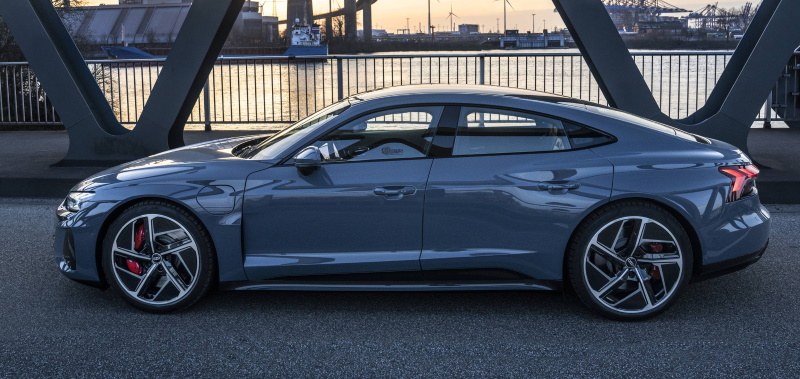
column 510, row 192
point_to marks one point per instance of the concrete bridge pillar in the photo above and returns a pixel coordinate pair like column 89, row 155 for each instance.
column 366, row 13
column 350, row 20
column 299, row 9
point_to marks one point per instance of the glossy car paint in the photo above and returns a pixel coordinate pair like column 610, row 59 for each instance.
column 489, row 211
column 332, row 222
column 268, row 221
column 179, row 176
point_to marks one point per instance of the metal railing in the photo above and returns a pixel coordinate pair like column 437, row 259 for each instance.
column 280, row 89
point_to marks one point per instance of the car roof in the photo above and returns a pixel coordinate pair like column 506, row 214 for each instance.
column 465, row 89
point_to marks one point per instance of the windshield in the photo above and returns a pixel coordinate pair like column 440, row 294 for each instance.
column 289, row 136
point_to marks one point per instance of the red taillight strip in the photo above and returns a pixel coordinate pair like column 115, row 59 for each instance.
column 740, row 175
column 753, row 170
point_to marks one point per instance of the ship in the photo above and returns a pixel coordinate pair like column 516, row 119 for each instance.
column 306, row 41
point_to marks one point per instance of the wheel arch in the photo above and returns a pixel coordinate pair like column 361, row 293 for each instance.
column 697, row 256
column 120, row 208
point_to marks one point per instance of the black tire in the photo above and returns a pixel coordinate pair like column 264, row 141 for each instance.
column 145, row 278
column 644, row 279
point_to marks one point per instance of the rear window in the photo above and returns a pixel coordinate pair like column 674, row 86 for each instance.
column 650, row 124
column 484, row 131
column 581, row 137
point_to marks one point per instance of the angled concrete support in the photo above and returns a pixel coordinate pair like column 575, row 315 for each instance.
column 187, row 69
column 96, row 137
column 60, row 68
column 732, row 107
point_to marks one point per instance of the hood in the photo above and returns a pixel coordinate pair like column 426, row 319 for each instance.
column 172, row 163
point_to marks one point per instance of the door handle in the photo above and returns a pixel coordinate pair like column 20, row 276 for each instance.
column 360, row 150
column 395, row 192
column 558, row 186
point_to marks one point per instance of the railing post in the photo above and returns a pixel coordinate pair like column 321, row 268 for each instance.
column 483, row 66
column 339, row 76
column 768, row 112
column 207, row 106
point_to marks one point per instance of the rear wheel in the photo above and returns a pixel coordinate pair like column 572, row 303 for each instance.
column 630, row 261
column 158, row 257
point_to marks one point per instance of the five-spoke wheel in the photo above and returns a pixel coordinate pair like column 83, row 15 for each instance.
column 157, row 257
column 630, row 261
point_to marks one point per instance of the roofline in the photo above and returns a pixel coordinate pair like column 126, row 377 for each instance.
column 468, row 89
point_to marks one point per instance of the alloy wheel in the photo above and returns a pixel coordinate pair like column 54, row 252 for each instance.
column 633, row 265
column 155, row 259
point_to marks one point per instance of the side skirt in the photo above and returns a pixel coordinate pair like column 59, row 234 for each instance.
column 389, row 286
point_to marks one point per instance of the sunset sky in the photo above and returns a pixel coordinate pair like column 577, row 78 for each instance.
column 391, row 14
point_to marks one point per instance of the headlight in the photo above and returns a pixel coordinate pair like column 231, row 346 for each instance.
column 75, row 200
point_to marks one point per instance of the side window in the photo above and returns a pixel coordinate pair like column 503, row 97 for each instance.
column 401, row 133
column 494, row 131
column 581, row 137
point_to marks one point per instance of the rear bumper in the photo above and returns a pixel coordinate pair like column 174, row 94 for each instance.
column 732, row 265
column 738, row 238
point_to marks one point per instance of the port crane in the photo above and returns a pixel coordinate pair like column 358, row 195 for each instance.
column 626, row 13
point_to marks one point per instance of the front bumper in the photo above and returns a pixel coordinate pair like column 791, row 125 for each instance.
column 75, row 248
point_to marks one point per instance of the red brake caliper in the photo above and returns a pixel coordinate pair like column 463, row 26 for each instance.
column 138, row 242
column 656, row 248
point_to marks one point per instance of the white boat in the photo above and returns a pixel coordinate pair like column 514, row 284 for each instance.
column 306, row 40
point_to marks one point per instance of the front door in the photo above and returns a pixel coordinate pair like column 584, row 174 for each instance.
column 360, row 212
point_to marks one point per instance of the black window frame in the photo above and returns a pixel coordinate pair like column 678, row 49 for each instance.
column 450, row 131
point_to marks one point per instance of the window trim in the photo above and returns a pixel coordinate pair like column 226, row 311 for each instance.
column 534, row 113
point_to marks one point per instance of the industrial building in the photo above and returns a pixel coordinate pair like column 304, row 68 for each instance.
column 156, row 23
column 469, row 28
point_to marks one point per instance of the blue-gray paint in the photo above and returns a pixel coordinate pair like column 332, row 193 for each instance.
column 466, row 212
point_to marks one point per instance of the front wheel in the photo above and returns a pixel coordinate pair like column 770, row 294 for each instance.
column 630, row 261
column 158, row 257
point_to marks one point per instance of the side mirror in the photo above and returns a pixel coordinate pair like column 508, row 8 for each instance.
column 308, row 159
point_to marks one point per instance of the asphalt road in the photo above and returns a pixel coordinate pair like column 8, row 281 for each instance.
column 743, row 324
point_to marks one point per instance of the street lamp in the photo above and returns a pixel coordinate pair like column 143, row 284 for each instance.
column 533, row 26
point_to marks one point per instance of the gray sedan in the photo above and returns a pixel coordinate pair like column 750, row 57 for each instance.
column 424, row 188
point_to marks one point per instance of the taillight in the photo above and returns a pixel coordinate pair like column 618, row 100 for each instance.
column 743, row 180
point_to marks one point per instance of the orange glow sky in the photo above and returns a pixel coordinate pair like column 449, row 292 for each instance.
column 391, row 14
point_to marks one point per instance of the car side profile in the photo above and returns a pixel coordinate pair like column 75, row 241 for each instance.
column 421, row 188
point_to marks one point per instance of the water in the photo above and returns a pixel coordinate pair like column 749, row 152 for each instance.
column 257, row 94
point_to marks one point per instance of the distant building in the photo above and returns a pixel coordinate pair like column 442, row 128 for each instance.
column 674, row 27
column 513, row 39
column 469, row 28
column 157, row 23
column 375, row 33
